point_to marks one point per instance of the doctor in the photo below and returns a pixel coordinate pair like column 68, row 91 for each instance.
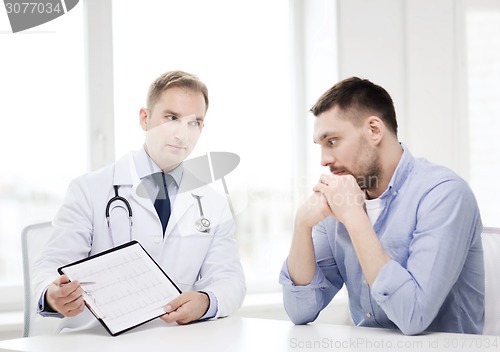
column 203, row 261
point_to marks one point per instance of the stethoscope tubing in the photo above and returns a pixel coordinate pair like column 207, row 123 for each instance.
column 202, row 224
column 117, row 197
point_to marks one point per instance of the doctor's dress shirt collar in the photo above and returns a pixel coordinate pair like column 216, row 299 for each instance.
column 145, row 166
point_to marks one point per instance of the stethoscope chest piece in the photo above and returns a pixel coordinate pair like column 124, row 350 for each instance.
column 203, row 225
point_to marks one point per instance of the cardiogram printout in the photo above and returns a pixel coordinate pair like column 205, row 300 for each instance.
column 123, row 287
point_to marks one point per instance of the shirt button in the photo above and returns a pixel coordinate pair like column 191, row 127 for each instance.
column 364, row 282
column 157, row 240
column 369, row 315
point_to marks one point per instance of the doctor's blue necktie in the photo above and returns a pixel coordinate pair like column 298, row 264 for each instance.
column 162, row 202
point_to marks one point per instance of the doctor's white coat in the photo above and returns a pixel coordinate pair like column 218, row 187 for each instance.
column 192, row 259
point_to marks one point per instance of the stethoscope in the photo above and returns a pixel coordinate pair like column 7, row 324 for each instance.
column 202, row 224
column 118, row 198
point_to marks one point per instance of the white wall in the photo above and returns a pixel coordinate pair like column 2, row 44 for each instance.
column 314, row 70
column 413, row 48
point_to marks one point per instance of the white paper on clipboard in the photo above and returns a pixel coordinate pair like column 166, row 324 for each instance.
column 124, row 287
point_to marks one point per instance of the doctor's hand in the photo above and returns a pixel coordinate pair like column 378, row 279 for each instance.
column 187, row 307
column 65, row 297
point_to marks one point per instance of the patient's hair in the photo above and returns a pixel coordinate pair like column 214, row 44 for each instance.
column 179, row 79
column 359, row 98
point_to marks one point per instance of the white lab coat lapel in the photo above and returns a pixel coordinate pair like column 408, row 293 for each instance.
column 182, row 219
column 126, row 174
column 181, row 206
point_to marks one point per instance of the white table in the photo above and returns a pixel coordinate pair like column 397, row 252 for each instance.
column 249, row 334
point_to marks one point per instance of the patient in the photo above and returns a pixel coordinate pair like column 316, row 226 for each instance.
column 401, row 233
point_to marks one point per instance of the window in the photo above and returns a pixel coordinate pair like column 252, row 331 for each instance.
column 43, row 134
column 241, row 51
column 483, row 58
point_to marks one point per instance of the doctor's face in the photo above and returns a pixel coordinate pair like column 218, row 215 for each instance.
column 173, row 126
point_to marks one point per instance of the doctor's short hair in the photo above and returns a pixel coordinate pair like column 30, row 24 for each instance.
column 359, row 98
column 175, row 79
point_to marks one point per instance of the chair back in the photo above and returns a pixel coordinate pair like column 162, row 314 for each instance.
column 491, row 247
column 34, row 238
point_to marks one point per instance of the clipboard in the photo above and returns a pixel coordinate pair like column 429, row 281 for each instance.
column 123, row 287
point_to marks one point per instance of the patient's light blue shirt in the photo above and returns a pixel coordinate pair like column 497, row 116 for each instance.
column 431, row 228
